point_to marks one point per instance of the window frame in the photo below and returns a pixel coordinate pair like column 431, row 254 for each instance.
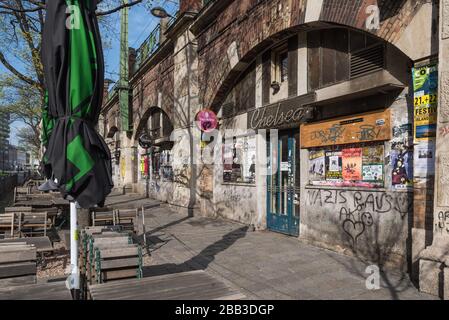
column 276, row 62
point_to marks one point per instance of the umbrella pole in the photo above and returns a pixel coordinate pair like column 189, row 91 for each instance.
column 74, row 276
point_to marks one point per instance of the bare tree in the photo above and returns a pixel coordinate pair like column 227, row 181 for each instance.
column 22, row 89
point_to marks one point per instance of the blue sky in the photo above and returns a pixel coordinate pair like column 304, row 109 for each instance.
column 141, row 23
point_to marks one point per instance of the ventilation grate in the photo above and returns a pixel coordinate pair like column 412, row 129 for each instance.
column 367, row 60
column 228, row 110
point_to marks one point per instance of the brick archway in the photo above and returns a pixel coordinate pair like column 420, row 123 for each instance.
column 243, row 30
column 144, row 119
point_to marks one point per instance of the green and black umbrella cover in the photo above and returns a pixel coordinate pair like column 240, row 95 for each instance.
column 46, row 129
column 74, row 75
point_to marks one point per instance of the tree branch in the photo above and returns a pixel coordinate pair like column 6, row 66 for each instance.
column 41, row 6
column 16, row 72
column 126, row 5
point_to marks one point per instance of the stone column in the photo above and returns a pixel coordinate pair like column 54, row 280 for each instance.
column 434, row 263
column 186, row 151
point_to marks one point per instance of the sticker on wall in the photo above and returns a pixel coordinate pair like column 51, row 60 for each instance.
column 425, row 97
column 284, row 166
column 352, row 164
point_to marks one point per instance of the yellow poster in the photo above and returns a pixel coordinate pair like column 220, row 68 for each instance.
column 425, row 87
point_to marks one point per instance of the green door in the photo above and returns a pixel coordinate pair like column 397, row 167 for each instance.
column 283, row 176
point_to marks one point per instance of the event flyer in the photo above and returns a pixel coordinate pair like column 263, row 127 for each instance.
column 317, row 165
column 352, row 164
column 334, row 166
column 425, row 87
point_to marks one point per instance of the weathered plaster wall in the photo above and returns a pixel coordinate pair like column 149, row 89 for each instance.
column 371, row 224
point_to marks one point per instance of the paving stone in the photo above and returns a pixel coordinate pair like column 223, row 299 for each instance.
column 262, row 265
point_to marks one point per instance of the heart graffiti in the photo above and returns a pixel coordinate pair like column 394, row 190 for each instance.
column 353, row 229
column 355, row 222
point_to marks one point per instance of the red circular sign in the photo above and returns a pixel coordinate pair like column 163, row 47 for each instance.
column 206, row 120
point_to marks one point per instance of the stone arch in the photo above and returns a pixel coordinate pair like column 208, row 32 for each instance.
column 233, row 74
column 145, row 117
column 395, row 20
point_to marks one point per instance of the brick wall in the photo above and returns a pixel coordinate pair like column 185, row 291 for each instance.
column 254, row 25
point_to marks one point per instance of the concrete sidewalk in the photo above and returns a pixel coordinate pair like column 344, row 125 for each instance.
column 262, row 265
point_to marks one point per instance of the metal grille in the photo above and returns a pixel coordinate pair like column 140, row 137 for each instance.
column 367, row 60
column 228, row 110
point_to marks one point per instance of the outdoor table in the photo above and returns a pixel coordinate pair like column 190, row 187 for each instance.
column 191, row 285
column 42, row 244
column 40, row 291
column 59, row 201
column 35, row 203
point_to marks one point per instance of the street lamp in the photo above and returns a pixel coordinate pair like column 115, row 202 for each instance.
column 163, row 15
column 160, row 12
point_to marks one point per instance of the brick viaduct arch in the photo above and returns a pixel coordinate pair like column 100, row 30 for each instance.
column 244, row 32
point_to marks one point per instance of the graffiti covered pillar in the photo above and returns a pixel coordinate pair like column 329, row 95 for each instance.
column 186, row 136
column 434, row 263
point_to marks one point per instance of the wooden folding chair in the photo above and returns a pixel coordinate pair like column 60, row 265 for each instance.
column 7, row 222
column 34, row 224
column 127, row 218
column 21, row 193
column 102, row 217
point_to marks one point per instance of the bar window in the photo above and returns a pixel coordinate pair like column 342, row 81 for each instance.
column 239, row 160
column 280, row 62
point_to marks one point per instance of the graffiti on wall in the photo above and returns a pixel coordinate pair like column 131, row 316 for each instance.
column 355, row 221
column 444, row 131
column 356, row 210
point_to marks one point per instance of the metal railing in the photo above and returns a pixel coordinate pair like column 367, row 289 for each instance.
column 148, row 47
column 112, row 91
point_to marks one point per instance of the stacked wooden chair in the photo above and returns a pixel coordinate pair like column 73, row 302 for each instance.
column 21, row 194
column 108, row 254
column 26, row 222
column 9, row 225
column 102, row 217
column 17, row 264
column 125, row 218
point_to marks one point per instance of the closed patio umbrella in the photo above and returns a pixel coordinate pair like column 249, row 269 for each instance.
column 47, row 124
column 74, row 74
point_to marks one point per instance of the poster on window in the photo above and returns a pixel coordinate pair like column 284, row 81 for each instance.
column 352, row 164
column 373, row 154
column 372, row 163
column 402, row 175
column 425, row 97
column 317, row 165
column 334, row 166
column 249, row 158
column 227, row 162
column 424, row 159
column 239, row 160
column 372, row 172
